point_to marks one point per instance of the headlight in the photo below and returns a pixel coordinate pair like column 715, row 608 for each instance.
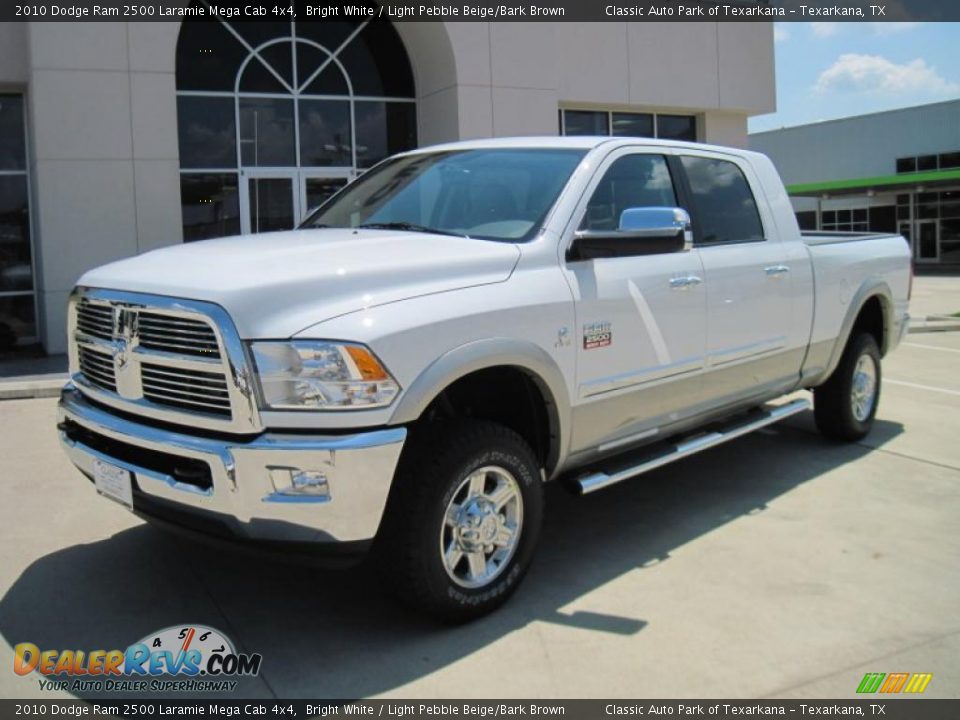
column 313, row 374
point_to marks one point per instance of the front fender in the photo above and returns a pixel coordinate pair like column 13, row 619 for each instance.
column 488, row 353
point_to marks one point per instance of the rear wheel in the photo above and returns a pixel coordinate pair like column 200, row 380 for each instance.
column 463, row 519
column 845, row 405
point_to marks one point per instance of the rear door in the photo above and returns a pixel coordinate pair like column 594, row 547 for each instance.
column 641, row 320
column 753, row 344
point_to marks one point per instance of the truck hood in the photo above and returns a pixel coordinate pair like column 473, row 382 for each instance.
column 276, row 284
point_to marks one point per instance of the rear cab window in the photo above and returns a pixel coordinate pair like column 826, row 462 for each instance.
column 724, row 209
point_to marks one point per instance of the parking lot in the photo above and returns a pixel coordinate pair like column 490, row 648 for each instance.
column 778, row 565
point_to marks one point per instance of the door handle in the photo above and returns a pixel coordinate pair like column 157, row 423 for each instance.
column 776, row 270
column 682, row 283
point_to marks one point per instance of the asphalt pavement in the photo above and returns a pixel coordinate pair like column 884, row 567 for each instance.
column 777, row 565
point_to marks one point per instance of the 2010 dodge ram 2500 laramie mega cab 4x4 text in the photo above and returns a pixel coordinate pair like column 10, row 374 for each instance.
column 458, row 326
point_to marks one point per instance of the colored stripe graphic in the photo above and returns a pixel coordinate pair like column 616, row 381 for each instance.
column 918, row 682
column 871, row 682
column 894, row 682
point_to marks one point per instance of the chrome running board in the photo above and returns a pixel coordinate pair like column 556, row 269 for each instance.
column 685, row 447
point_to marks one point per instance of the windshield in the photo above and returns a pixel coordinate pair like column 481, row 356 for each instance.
column 494, row 194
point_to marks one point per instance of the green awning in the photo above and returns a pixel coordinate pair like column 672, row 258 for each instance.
column 904, row 180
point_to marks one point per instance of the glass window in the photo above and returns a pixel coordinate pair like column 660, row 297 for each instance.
column 18, row 328
column 267, row 133
column 207, row 132
column 949, row 160
column 376, row 62
column 906, row 165
column 677, row 127
column 13, row 155
column 325, row 133
column 211, row 205
column 883, row 219
column 928, row 205
column 585, row 122
column 257, row 78
column 384, row 128
column 277, row 94
column 631, row 181
column 724, row 206
column 950, row 204
column 329, row 81
column 492, row 194
column 903, row 199
column 329, row 33
column 208, row 56
column 15, row 268
column 844, row 216
column 950, row 241
column 860, row 215
column 903, row 212
column 926, row 163
column 261, row 31
column 807, row 219
column 271, row 204
column 319, row 190
column 829, row 216
column 633, row 124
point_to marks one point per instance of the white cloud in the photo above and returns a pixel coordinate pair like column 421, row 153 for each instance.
column 876, row 74
column 780, row 32
column 891, row 28
column 826, row 29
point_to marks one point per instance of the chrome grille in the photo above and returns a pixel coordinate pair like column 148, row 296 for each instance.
column 189, row 390
column 98, row 368
column 168, row 333
column 95, row 320
column 179, row 361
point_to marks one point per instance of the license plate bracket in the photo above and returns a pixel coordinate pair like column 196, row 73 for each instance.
column 113, row 482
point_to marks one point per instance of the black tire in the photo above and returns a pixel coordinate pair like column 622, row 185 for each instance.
column 433, row 468
column 834, row 408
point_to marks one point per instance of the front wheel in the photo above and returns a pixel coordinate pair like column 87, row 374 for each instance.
column 463, row 519
column 845, row 405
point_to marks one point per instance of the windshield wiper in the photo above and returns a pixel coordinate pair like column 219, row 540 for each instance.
column 411, row 227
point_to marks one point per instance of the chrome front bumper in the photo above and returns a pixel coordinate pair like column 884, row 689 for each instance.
column 241, row 499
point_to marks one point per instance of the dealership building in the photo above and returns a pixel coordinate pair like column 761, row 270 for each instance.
column 895, row 171
column 119, row 138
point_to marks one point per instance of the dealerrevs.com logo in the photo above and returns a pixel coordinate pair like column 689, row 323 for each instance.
column 182, row 658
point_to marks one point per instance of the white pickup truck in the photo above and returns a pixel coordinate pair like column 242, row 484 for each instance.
column 457, row 327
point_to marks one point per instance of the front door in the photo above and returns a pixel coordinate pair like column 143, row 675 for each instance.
column 641, row 320
column 274, row 200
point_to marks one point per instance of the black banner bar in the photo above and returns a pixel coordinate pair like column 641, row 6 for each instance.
column 873, row 707
column 485, row 10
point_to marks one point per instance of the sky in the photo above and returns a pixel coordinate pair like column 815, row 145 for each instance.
column 832, row 70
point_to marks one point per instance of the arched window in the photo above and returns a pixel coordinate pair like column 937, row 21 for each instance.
column 274, row 117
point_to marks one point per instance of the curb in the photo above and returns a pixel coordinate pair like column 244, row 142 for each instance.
column 26, row 389
column 934, row 324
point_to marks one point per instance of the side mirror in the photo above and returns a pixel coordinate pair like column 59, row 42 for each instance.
column 642, row 231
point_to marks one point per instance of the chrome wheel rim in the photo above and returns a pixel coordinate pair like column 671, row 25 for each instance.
column 863, row 394
column 481, row 527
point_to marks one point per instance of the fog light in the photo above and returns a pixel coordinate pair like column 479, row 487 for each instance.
column 296, row 485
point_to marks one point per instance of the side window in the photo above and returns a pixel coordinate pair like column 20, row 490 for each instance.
column 724, row 206
column 631, row 181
